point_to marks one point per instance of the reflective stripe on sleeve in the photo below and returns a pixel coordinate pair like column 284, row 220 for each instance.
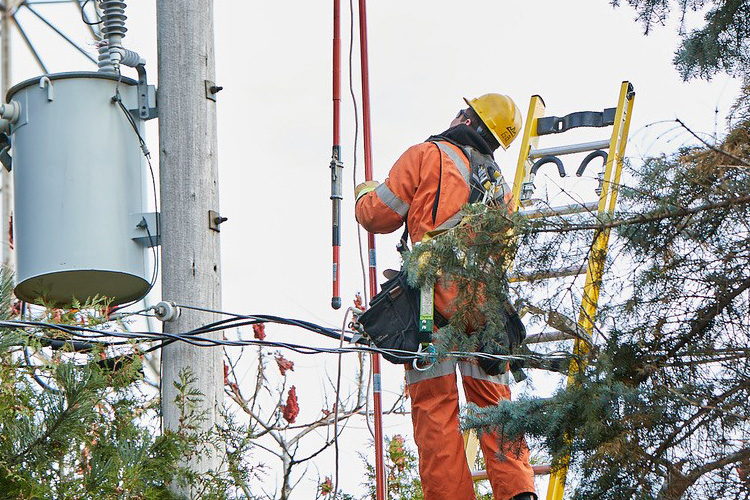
column 475, row 371
column 457, row 159
column 391, row 200
column 439, row 369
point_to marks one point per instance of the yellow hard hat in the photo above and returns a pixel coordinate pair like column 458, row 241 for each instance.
column 500, row 114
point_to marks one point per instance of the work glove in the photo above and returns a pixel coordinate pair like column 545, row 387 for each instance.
column 364, row 188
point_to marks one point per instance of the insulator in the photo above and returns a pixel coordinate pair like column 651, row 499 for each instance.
column 130, row 58
column 113, row 17
column 111, row 52
column 104, row 62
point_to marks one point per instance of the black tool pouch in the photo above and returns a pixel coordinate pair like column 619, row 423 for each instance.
column 516, row 332
column 392, row 321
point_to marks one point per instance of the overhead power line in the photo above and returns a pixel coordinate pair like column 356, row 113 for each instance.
column 85, row 339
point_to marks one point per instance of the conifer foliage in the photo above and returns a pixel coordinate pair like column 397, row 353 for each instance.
column 722, row 44
column 76, row 428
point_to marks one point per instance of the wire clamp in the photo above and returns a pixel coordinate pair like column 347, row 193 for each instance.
column 166, row 311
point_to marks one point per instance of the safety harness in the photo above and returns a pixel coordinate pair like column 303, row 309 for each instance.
column 391, row 321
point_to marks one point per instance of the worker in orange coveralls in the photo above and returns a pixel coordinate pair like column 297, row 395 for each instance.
column 426, row 188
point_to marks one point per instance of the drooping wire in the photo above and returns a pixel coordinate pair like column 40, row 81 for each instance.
column 153, row 240
column 26, row 358
column 336, row 406
column 44, row 385
column 193, row 337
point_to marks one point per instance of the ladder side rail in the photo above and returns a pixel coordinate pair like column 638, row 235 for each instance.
column 596, row 261
column 623, row 144
column 530, row 141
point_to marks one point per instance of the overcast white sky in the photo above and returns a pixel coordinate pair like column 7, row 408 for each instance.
column 274, row 117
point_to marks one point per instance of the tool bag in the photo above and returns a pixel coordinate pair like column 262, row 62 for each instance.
column 392, row 321
column 516, row 333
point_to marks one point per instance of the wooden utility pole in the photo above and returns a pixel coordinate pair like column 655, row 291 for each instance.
column 189, row 190
column 8, row 255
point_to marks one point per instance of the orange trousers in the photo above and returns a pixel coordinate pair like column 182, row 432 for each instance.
column 442, row 460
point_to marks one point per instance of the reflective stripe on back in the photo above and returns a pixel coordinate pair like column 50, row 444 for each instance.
column 457, row 159
column 439, row 369
column 391, row 200
column 463, row 167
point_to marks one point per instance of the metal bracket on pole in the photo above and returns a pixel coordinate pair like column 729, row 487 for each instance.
column 146, row 96
column 212, row 89
column 145, row 229
column 214, row 219
column 5, row 158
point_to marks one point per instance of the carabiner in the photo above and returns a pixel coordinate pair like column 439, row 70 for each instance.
column 426, row 352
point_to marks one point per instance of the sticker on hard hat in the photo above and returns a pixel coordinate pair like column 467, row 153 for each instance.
column 509, row 134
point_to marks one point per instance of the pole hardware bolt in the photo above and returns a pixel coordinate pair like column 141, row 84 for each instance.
column 166, row 311
column 214, row 219
column 212, row 89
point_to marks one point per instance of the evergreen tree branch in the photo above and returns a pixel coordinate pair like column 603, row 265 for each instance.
column 703, row 412
column 704, row 317
column 714, row 148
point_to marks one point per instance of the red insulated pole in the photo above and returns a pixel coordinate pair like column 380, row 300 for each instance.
column 377, row 403
column 337, row 165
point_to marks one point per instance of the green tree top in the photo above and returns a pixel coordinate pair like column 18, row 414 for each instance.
column 722, row 44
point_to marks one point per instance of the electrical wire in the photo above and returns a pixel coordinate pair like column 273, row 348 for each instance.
column 338, row 395
column 26, row 358
column 84, row 18
column 84, row 339
column 356, row 137
column 34, row 375
column 94, row 335
column 153, row 240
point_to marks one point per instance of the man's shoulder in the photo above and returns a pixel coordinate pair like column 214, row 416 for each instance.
column 419, row 149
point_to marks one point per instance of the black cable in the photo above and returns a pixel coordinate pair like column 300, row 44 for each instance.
column 365, row 290
column 84, row 18
column 153, row 240
column 263, row 318
column 92, row 338
column 36, row 377
column 76, row 331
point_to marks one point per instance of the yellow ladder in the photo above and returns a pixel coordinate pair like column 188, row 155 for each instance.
column 531, row 158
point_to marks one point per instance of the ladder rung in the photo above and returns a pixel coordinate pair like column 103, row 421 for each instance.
column 575, row 208
column 552, row 273
column 570, row 149
column 539, row 470
column 552, row 336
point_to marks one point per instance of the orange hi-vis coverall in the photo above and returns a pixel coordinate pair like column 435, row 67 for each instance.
column 427, row 188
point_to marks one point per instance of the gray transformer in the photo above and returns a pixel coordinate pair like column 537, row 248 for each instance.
column 80, row 189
